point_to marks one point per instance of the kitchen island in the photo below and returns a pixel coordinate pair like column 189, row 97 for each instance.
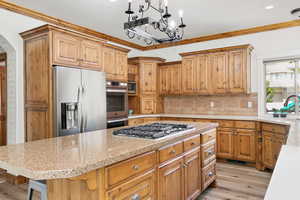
column 99, row 165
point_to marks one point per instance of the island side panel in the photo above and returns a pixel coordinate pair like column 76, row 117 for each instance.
column 88, row 186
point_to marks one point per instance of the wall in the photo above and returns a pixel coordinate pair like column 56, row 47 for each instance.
column 267, row 45
column 11, row 25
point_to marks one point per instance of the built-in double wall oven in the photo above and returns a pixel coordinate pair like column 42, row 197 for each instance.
column 117, row 104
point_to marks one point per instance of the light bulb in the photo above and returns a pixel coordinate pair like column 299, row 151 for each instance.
column 166, row 3
column 180, row 12
column 172, row 24
column 129, row 1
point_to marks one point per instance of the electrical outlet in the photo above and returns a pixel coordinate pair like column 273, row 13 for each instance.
column 250, row 104
column 212, row 104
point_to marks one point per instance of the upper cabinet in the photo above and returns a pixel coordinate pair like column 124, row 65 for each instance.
column 115, row 63
column 148, row 75
column 71, row 50
column 216, row 71
column 170, row 78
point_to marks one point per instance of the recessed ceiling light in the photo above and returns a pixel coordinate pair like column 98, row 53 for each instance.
column 269, row 7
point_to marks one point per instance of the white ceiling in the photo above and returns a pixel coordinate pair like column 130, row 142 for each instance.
column 203, row 17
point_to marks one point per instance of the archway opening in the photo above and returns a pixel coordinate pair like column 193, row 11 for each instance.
column 3, row 97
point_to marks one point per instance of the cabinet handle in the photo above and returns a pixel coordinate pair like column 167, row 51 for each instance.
column 210, row 174
column 209, row 152
column 135, row 197
column 135, row 167
column 193, row 143
column 173, row 151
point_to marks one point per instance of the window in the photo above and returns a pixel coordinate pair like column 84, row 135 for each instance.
column 282, row 86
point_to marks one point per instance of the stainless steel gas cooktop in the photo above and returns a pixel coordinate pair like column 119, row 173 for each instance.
column 154, row 130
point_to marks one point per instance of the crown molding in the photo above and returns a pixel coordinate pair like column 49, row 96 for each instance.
column 247, row 31
column 40, row 16
column 59, row 22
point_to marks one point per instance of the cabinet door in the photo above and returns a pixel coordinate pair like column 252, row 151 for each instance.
column 165, row 80
column 91, row 54
column 121, row 67
column 175, row 79
column 171, row 181
column 245, row 145
column 277, row 142
column 225, row 144
column 142, row 188
column 188, row 69
column 66, row 49
column 267, row 154
column 109, row 60
column 237, row 71
column 202, row 76
column 148, row 105
column 219, row 67
column 148, row 77
column 192, row 175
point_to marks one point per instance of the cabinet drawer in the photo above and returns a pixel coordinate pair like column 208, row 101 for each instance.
column 209, row 136
column 169, row 152
column 208, row 153
column 275, row 128
column 141, row 187
column 226, row 123
column 129, row 168
column 191, row 143
column 208, row 175
column 245, row 124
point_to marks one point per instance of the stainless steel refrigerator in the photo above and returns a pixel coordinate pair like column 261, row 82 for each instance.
column 80, row 100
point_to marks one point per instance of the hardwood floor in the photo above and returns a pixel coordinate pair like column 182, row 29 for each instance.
column 234, row 182
column 237, row 182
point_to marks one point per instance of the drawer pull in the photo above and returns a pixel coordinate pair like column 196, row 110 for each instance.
column 135, row 167
column 135, row 197
column 210, row 153
column 193, row 143
column 172, row 151
column 210, row 174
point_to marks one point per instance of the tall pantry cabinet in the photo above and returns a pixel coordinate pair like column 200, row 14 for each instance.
column 150, row 101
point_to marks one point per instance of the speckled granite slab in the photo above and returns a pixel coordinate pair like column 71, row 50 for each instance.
column 71, row 156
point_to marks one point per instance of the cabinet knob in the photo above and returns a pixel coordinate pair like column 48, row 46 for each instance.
column 210, row 174
column 135, row 167
column 135, row 197
column 193, row 143
column 209, row 152
column 172, row 151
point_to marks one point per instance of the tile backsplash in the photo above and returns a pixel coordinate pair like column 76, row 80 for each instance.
column 212, row 105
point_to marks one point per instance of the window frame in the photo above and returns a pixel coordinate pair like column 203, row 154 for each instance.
column 296, row 60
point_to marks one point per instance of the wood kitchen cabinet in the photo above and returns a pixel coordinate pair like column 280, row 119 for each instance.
column 45, row 47
column 115, row 63
column 171, row 180
column 170, row 78
column 217, row 71
column 150, row 101
column 69, row 50
column 245, row 145
column 225, row 143
column 267, row 154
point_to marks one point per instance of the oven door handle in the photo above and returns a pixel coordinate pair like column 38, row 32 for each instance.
column 116, row 90
column 117, row 120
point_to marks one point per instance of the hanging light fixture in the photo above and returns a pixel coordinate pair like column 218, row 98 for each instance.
column 139, row 26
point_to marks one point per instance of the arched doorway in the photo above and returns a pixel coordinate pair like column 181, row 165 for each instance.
column 3, row 96
column 7, row 92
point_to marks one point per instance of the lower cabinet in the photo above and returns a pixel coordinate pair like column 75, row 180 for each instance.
column 171, row 180
column 272, row 144
column 142, row 187
column 180, row 178
column 236, row 144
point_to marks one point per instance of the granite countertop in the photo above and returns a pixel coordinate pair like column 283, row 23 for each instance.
column 70, row 156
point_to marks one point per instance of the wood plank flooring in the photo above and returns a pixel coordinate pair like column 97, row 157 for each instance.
column 234, row 182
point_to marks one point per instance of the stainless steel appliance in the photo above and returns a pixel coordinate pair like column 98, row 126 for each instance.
column 117, row 101
column 154, row 130
column 79, row 100
column 132, row 87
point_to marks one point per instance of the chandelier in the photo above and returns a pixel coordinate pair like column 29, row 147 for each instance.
column 143, row 27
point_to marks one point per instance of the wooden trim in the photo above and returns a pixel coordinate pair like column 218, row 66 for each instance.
column 170, row 63
column 116, row 47
column 141, row 58
column 2, row 57
column 247, row 31
column 223, row 49
column 40, row 16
